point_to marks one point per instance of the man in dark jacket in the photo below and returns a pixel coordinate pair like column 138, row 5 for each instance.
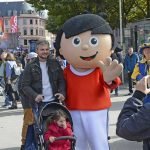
column 134, row 120
column 28, row 118
column 42, row 80
column 116, row 55
column 130, row 61
column 43, row 77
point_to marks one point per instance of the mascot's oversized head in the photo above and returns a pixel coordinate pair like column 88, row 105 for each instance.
column 84, row 40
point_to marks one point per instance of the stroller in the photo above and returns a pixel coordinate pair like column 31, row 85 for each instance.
column 40, row 124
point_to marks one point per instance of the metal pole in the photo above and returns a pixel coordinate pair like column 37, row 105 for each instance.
column 120, row 16
column 121, row 37
column 136, row 38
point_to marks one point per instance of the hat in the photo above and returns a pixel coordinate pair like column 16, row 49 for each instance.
column 145, row 45
column 118, row 49
column 31, row 55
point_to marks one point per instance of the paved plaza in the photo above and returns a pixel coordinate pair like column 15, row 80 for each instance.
column 11, row 123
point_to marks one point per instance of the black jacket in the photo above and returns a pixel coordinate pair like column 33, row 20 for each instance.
column 117, row 56
column 114, row 56
column 134, row 120
column 31, row 83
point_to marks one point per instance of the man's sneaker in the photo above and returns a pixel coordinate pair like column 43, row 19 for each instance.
column 12, row 107
column 4, row 105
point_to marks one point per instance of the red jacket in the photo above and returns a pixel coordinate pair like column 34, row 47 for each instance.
column 56, row 131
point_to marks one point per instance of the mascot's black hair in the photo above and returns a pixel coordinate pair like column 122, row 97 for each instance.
column 82, row 23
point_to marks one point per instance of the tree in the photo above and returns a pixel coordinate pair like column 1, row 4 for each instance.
column 61, row 10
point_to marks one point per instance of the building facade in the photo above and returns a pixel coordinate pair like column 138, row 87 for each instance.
column 31, row 25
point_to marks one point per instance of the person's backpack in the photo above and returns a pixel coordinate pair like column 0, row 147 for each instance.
column 15, row 72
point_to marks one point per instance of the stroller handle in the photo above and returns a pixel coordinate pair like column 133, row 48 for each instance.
column 72, row 138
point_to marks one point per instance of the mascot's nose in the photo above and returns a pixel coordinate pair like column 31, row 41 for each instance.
column 85, row 47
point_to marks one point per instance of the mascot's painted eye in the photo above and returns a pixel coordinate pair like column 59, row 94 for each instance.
column 76, row 41
column 93, row 41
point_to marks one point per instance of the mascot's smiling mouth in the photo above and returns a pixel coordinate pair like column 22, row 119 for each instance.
column 89, row 58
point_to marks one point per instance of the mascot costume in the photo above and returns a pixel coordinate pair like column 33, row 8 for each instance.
column 85, row 41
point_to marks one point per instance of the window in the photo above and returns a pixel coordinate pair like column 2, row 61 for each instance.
column 36, row 31
column 36, row 21
column 43, row 23
column 40, row 22
column 31, row 31
column 6, row 22
column 6, row 30
column 29, row 11
column 9, row 12
column 40, row 32
column 25, row 21
column 20, row 22
column 24, row 31
column 14, row 12
column 31, row 21
column 25, row 42
column 21, row 11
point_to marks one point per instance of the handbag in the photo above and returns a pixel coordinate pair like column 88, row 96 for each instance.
column 15, row 72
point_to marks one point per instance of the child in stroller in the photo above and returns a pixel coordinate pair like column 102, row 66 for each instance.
column 56, row 126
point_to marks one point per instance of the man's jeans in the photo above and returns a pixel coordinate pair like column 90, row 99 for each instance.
column 33, row 130
column 30, row 143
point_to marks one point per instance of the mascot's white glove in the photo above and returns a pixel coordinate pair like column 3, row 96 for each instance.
column 111, row 69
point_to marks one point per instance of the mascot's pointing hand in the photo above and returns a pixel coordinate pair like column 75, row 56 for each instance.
column 111, row 69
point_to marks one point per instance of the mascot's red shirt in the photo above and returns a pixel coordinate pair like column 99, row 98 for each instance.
column 88, row 92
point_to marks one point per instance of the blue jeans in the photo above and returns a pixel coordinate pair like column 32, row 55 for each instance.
column 30, row 143
column 7, row 100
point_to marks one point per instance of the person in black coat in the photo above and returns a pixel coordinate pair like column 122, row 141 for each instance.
column 116, row 55
column 134, row 119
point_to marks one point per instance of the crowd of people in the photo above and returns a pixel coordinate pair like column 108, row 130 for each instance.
column 12, row 65
column 82, row 82
column 134, row 67
column 14, row 87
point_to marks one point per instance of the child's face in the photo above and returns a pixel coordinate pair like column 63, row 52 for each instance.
column 86, row 49
column 61, row 122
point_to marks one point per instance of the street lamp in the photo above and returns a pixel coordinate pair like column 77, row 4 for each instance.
column 120, row 18
column 121, row 33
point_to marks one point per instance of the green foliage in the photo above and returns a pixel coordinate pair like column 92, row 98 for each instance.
column 61, row 10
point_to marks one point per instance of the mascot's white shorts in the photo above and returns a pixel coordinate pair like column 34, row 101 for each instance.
column 91, row 129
